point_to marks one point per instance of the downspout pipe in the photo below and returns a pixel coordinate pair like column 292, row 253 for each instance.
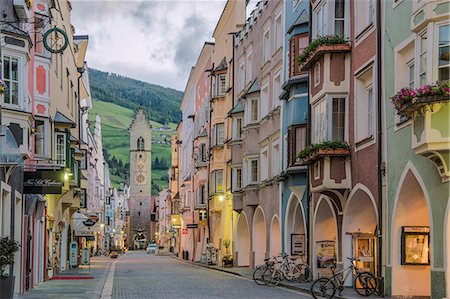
column 308, row 142
column 379, row 143
column 210, row 71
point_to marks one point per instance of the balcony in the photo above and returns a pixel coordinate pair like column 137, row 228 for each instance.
column 329, row 166
column 428, row 107
column 319, row 47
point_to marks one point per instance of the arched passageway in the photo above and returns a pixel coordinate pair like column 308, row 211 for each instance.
column 410, row 214
column 275, row 237
column 295, row 228
column 259, row 236
column 242, row 241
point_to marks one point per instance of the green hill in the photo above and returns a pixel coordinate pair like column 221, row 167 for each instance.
column 160, row 103
column 115, row 98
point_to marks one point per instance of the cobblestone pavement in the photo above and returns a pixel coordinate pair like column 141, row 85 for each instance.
column 139, row 275
column 76, row 289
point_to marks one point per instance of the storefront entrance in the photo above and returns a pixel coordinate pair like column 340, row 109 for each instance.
column 242, row 241
column 259, row 236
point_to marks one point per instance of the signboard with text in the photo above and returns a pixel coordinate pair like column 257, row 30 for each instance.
column 73, row 254
column 297, row 244
column 42, row 181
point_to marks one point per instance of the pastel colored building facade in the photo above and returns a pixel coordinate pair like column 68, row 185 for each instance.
column 415, row 45
column 255, row 139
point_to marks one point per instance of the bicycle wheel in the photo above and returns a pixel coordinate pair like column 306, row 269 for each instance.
column 365, row 284
column 258, row 274
column 323, row 288
column 305, row 273
column 272, row 277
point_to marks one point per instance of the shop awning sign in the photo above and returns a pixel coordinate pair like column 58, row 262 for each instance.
column 42, row 181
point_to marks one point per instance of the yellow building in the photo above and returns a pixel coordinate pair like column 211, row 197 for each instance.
column 221, row 201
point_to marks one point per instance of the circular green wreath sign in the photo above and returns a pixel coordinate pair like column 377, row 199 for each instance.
column 55, row 40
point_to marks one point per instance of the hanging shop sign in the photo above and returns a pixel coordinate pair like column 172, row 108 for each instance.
column 192, row 225
column 297, row 244
column 43, row 181
column 415, row 245
column 184, row 231
column 55, row 40
column 175, row 221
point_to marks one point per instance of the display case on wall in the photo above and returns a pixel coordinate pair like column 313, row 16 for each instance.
column 364, row 249
column 415, row 245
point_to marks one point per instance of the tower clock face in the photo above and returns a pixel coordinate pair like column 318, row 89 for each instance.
column 140, row 178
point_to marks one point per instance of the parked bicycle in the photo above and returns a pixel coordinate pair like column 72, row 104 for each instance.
column 259, row 270
column 289, row 268
column 365, row 283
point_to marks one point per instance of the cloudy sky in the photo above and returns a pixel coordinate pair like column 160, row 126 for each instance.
column 153, row 41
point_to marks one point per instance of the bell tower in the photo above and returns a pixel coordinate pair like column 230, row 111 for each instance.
column 140, row 180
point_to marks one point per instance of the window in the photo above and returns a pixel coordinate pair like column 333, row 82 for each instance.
column 84, row 160
column 253, row 171
column 423, row 60
column 339, row 21
column 219, row 180
column 411, row 74
column 253, row 113
column 237, row 179
column 60, row 149
column 266, row 45
column 444, row 53
column 275, row 158
column 296, row 141
column 332, row 115
column 278, row 32
column 201, row 195
column 264, row 99
column 338, row 119
column 276, row 89
column 11, row 77
column 264, row 164
column 317, row 74
column 364, row 105
column 140, row 144
column 248, row 70
column 364, row 15
column 202, row 153
column 242, row 75
column 237, row 129
column 297, row 44
column 220, row 137
column 222, row 84
column 321, row 20
column 39, row 137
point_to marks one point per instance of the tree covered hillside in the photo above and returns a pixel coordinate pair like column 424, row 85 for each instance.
column 161, row 104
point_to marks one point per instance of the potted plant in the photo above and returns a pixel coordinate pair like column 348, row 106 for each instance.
column 227, row 260
column 326, row 148
column 3, row 86
column 7, row 250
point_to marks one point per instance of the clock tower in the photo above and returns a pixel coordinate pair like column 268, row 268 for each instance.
column 140, row 181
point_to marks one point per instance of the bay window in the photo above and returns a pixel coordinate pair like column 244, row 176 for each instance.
column 220, row 134
column 253, row 170
column 11, row 78
column 221, row 84
column 296, row 142
column 423, row 59
column 320, row 15
column 329, row 119
column 237, row 128
column 339, row 21
column 337, row 12
column 252, row 110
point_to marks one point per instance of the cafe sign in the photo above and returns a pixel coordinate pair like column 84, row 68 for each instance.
column 43, row 181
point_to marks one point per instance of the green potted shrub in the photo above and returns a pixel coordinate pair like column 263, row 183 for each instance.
column 227, row 259
column 7, row 250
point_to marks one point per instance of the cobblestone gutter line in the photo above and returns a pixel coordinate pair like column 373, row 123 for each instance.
column 108, row 286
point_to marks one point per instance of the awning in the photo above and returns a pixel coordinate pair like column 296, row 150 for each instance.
column 9, row 150
column 63, row 120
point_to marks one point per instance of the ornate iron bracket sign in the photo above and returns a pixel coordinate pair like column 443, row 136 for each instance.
column 55, row 40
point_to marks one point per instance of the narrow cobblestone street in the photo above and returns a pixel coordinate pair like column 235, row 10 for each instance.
column 139, row 275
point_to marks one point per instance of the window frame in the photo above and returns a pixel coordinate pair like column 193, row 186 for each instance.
column 438, row 27
column 237, row 179
column 278, row 30
column 276, row 158
column 264, row 171
column 216, row 179
column 42, row 137
column 60, row 162
column 266, row 45
column 220, row 138
column 328, row 98
column 221, row 78
column 20, row 79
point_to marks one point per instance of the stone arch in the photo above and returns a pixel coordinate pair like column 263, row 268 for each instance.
column 217, row 242
column 275, row 236
column 259, row 234
column 360, row 220
column 411, row 208
column 242, row 240
column 324, row 229
column 294, row 222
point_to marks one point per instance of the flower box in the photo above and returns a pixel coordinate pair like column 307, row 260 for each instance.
column 326, row 152
column 408, row 100
column 322, row 50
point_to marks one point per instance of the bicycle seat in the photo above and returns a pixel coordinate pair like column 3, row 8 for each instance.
column 328, row 265
column 267, row 259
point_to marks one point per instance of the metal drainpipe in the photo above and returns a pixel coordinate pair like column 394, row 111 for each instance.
column 308, row 142
column 379, row 144
column 209, row 150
